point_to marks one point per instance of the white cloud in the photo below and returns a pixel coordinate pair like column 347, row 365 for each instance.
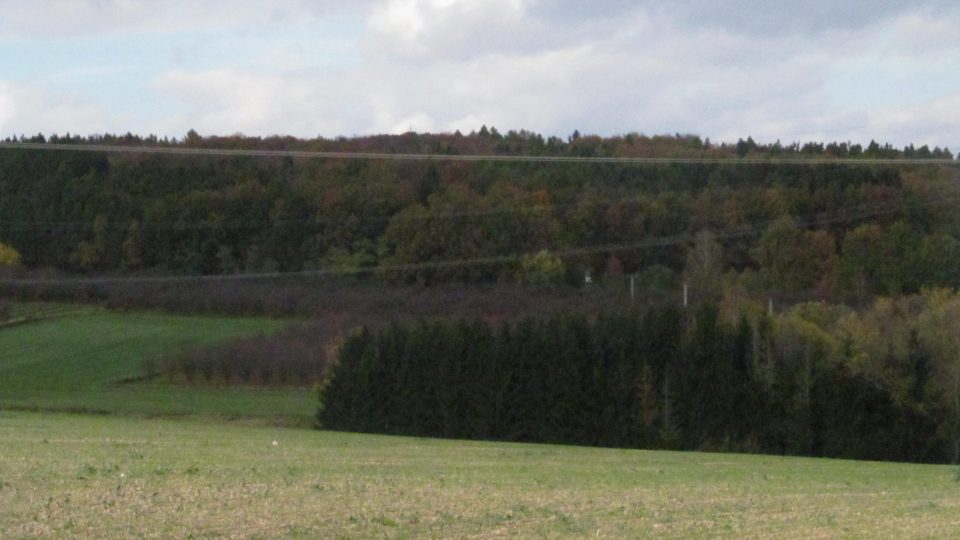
column 420, row 122
column 7, row 105
column 645, row 73
column 923, row 33
column 400, row 19
column 28, row 110
column 764, row 19
column 934, row 123
column 69, row 18
column 226, row 101
column 432, row 29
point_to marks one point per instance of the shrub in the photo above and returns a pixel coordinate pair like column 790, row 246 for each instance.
column 9, row 256
column 295, row 356
column 542, row 268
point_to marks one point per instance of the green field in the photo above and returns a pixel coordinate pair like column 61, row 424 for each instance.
column 78, row 361
column 178, row 474
column 111, row 477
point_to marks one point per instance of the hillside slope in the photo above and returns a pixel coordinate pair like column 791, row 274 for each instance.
column 91, row 360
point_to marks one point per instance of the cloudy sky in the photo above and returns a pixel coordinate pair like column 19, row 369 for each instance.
column 788, row 70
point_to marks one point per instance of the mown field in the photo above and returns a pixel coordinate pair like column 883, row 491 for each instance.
column 90, row 360
column 108, row 477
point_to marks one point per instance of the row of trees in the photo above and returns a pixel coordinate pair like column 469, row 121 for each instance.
column 804, row 382
column 489, row 141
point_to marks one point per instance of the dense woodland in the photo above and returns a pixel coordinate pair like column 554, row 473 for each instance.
column 841, row 232
column 663, row 379
column 821, row 283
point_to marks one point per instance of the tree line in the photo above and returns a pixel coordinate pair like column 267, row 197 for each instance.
column 658, row 378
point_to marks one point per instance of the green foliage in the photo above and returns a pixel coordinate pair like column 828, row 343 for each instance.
column 132, row 248
column 542, row 268
column 808, row 230
column 9, row 256
column 657, row 379
column 704, row 267
column 792, row 259
column 862, row 260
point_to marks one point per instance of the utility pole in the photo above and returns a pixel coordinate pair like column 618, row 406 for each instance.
column 686, row 294
column 632, row 290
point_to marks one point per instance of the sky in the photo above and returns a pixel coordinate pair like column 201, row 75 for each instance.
column 812, row 70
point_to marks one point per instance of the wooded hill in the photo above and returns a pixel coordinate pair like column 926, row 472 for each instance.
column 829, row 227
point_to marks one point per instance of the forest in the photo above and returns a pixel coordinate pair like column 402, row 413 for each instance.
column 733, row 296
column 831, row 231
column 660, row 379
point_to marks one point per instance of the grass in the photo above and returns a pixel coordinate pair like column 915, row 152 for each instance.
column 90, row 360
column 99, row 476
column 107, row 477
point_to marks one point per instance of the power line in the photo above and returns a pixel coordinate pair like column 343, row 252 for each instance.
column 403, row 156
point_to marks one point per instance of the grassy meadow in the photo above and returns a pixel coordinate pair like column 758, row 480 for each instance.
column 106, row 477
column 91, row 360
column 158, row 464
